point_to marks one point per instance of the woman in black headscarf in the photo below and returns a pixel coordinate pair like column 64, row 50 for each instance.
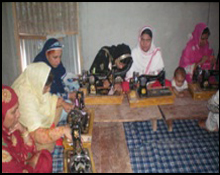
column 112, row 61
column 51, row 55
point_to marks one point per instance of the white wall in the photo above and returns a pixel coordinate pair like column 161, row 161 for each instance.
column 111, row 23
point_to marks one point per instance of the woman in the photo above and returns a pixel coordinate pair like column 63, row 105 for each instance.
column 38, row 107
column 18, row 149
column 51, row 55
column 115, row 58
column 146, row 56
column 197, row 51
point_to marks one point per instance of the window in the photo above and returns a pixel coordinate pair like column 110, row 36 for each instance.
column 38, row 21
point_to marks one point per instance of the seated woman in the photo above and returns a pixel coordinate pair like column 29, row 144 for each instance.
column 115, row 59
column 38, row 107
column 197, row 52
column 19, row 154
column 51, row 55
column 146, row 56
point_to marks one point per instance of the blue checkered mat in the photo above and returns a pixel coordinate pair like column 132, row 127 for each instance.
column 187, row 149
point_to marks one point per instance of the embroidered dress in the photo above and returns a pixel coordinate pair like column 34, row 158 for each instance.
column 15, row 152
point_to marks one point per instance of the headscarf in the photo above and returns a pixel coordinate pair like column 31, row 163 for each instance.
column 58, row 72
column 149, row 62
column 36, row 109
column 193, row 53
column 9, row 99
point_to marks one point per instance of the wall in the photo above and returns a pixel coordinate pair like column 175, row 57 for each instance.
column 10, row 62
column 111, row 23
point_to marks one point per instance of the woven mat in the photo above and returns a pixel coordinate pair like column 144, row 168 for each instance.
column 187, row 149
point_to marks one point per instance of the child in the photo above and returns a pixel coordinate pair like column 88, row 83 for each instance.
column 179, row 83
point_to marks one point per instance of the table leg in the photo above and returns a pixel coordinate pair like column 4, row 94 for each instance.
column 170, row 125
column 154, row 124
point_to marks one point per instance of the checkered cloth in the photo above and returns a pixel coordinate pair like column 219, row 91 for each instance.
column 187, row 149
column 58, row 159
column 57, row 155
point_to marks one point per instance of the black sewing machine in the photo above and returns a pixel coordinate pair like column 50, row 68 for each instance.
column 145, row 79
column 78, row 158
column 207, row 79
column 133, row 82
column 83, row 79
column 140, row 83
column 95, row 80
column 78, row 114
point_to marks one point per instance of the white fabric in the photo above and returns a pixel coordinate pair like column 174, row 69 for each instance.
column 212, row 123
column 181, row 88
column 141, row 59
column 37, row 110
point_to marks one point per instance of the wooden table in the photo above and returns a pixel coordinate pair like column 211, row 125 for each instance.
column 109, row 147
column 123, row 113
column 136, row 102
column 198, row 93
column 184, row 108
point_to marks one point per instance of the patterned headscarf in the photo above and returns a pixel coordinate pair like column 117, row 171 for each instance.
column 9, row 99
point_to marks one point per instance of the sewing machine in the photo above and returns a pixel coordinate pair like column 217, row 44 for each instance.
column 205, row 83
column 95, row 93
column 207, row 79
column 141, row 96
column 77, row 155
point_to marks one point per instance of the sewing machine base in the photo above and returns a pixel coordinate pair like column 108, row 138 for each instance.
column 87, row 138
column 157, row 96
column 86, row 161
column 102, row 99
column 200, row 94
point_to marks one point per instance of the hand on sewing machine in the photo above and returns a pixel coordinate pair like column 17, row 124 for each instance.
column 67, row 133
column 72, row 96
column 67, row 106
column 118, row 87
column 106, row 84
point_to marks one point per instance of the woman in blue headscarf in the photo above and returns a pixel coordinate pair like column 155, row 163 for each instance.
column 51, row 55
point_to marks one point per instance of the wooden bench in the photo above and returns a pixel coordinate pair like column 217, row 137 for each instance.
column 123, row 113
column 183, row 109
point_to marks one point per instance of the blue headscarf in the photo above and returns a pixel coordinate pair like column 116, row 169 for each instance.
column 59, row 72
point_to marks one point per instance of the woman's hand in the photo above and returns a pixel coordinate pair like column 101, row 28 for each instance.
column 106, row 84
column 72, row 96
column 18, row 127
column 203, row 60
column 67, row 133
column 118, row 87
column 67, row 106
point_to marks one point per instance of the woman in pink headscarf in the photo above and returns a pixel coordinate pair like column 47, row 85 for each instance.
column 19, row 154
column 197, row 51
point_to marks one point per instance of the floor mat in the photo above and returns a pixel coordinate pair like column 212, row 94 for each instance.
column 187, row 149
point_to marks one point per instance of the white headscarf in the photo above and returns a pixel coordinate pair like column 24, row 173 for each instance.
column 150, row 62
column 37, row 110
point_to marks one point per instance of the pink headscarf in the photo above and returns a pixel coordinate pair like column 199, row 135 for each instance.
column 193, row 52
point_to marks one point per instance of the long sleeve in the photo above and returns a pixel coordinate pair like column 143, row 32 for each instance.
column 44, row 136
